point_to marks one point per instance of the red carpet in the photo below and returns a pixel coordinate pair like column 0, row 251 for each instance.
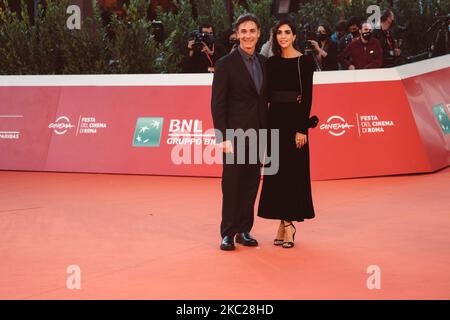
column 147, row 237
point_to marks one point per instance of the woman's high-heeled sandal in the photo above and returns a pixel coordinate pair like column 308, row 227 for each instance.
column 290, row 244
column 279, row 242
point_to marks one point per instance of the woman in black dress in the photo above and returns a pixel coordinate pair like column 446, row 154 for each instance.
column 286, row 196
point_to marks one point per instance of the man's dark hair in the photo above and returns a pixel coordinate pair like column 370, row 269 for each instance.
column 205, row 25
column 352, row 21
column 386, row 14
column 341, row 25
column 246, row 17
column 276, row 49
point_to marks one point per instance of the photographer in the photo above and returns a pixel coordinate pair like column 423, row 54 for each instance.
column 326, row 50
column 363, row 53
column 353, row 26
column 340, row 30
column 203, row 51
column 338, row 35
column 441, row 39
column 230, row 41
column 390, row 46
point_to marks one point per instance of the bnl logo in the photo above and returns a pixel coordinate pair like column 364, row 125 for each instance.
column 442, row 117
column 148, row 132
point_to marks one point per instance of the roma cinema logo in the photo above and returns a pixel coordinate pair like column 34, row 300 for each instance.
column 336, row 126
column 61, row 125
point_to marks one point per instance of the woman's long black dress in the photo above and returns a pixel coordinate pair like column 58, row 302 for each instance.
column 287, row 194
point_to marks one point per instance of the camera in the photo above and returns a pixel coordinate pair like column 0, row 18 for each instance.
column 200, row 37
column 309, row 46
column 308, row 35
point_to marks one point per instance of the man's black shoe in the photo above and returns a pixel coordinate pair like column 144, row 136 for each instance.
column 227, row 243
column 246, row 239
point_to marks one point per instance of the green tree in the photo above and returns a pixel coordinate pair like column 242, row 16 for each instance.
column 44, row 45
column 133, row 48
column 177, row 26
column 87, row 51
column 213, row 12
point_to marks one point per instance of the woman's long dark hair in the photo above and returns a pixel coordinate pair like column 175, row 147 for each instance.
column 275, row 46
column 327, row 29
column 328, row 33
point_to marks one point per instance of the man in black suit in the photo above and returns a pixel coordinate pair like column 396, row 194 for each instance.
column 239, row 102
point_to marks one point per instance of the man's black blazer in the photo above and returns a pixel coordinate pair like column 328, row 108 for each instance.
column 235, row 102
